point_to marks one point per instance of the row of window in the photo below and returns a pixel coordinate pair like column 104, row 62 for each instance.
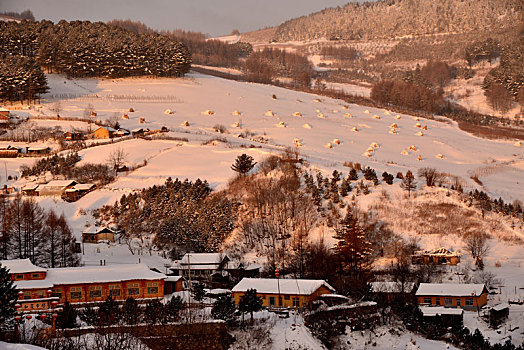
column 21, row 277
column 449, row 301
column 115, row 291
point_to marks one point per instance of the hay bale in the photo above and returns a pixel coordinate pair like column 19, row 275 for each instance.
column 321, row 115
column 420, row 133
column 297, row 114
column 416, row 119
column 404, row 153
column 367, row 154
column 307, row 126
column 425, row 127
column 168, row 111
column 131, row 110
column 398, row 117
column 440, row 156
column 518, row 144
column 125, row 116
column 336, row 141
column 93, row 114
column 370, row 149
column 355, row 129
column 419, row 157
column 297, row 142
column 413, row 148
column 236, row 125
column 394, row 125
column 142, row 120
column 269, row 113
column 329, row 145
column 374, row 145
column 208, row 112
column 376, row 116
column 393, row 131
column 366, row 111
column 184, row 123
column 236, row 112
column 281, row 125
column 345, row 107
column 418, row 125
column 348, row 115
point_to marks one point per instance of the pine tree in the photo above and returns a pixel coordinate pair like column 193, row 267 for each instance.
column 173, row 308
column 250, row 302
column 353, row 175
column 8, row 297
column 131, row 312
column 223, row 308
column 353, row 249
column 243, row 164
column 67, row 317
column 409, row 183
column 199, row 293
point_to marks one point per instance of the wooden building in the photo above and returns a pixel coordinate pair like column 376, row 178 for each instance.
column 30, row 189
column 38, row 151
column 469, row 296
column 393, row 292
column 95, row 234
column 82, row 284
column 4, row 112
column 104, row 132
column 55, row 187
column 139, row 132
column 440, row 256
column 443, row 316
column 73, row 136
column 498, row 314
column 173, row 284
column 200, row 265
column 283, row 293
column 78, row 191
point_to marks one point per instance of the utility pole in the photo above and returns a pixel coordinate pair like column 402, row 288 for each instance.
column 189, row 289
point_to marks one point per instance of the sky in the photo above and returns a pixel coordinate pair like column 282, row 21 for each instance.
column 214, row 17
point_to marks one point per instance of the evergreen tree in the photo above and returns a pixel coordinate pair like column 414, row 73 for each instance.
column 250, row 302
column 131, row 312
column 67, row 317
column 409, row 183
column 108, row 313
column 388, row 178
column 352, row 248
column 353, row 175
column 223, row 308
column 199, row 293
column 173, row 308
column 8, row 297
column 243, row 164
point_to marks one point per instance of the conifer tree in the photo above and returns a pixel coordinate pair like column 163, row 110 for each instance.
column 409, row 183
column 223, row 308
column 8, row 296
column 243, row 164
column 353, row 249
column 250, row 302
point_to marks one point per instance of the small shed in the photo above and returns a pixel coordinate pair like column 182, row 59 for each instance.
column 173, row 284
column 448, row 317
column 55, row 187
column 104, row 132
column 95, row 234
column 498, row 314
column 78, row 191
column 30, row 189
column 38, row 151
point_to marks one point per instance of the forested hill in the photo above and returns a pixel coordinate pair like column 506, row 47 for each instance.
column 395, row 18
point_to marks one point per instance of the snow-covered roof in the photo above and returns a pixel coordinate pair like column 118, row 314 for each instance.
column 108, row 128
column 58, row 183
column 96, row 229
column 80, row 187
column 391, row 287
column 30, row 186
column 101, row 274
column 33, row 284
column 201, row 259
column 21, row 266
column 450, row 289
column 41, row 148
column 440, row 310
column 285, row 286
column 3, row 109
column 500, row 307
column 439, row 251
column 173, row 278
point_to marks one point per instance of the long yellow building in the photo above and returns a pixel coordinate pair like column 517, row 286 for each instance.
column 285, row 293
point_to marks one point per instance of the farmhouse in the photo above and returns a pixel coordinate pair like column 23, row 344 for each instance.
column 41, row 287
column 443, row 315
column 283, row 292
column 104, row 132
column 78, row 191
column 4, row 113
column 440, row 256
column 30, row 189
column 55, row 187
column 95, row 234
column 467, row 296
column 390, row 292
column 200, row 265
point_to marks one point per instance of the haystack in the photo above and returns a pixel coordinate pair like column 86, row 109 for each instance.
column 413, row 148
column 374, row 145
column 404, row 153
column 348, row 115
column 336, row 141
column 269, row 113
column 185, row 123
column 125, row 116
column 393, row 131
column 425, row 127
column 394, row 125
column 366, row 111
column 518, row 144
column 355, row 129
column 297, row 114
column 236, row 112
column 367, row 154
column 376, row 116
column 418, row 125
column 420, row 133
column 329, row 145
column 370, row 149
column 345, row 107
column 297, row 142
column 321, row 115
column 307, row 126
column 93, row 114
column 281, row 125
column 440, row 156
column 419, row 157
column 416, row 119
column 208, row 112
column 398, row 117
column 168, row 111
column 131, row 110
column 236, row 125
column 142, row 120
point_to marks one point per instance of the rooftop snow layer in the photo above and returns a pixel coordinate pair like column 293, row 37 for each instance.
column 450, row 289
column 21, row 266
column 202, row 258
column 440, row 310
column 282, row 286
column 391, row 287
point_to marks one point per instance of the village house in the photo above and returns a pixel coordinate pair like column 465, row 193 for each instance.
column 40, row 287
column 78, row 191
column 55, row 187
column 122, row 132
column 139, row 132
column 9, row 151
column 173, row 284
column 470, row 296
column 444, row 316
column 73, row 136
column 285, row 293
column 200, row 265
column 95, row 234
column 104, row 132
column 30, row 189
column 391, row 292
column 4, row 113
column 440, row 256
column 38, row 151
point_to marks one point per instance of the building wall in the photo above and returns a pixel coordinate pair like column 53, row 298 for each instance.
column 105, row 236
column 478, row 301
column 288, row 300
column 101, row 134
column 28, row 276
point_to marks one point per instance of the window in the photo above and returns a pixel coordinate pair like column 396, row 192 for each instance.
column 469, row 301
column 40, row 294
column 296, row 302
column 19, row 277
column 152, row 290
column 437, row 301
column 36, row 275
column 57, row 293
column 458, row 301
column 95, row 292
column 27, row 295
column 279, row 301
column 427, row 300
column 286, row 297
column 448, row 301
column 271, row 301
column 114, row 291
column 76, row 293
column 133, row 289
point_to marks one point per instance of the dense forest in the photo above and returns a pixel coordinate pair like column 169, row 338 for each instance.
column 81, row 49
column 405, row 17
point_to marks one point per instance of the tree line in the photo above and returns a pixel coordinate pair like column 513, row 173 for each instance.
column 28, row 231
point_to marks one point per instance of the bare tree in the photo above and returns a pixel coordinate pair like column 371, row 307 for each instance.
column 57, row 108
column 431, row 175
column 499, row 98
column 89, row 111
column 477, row 244
column 117, row 158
